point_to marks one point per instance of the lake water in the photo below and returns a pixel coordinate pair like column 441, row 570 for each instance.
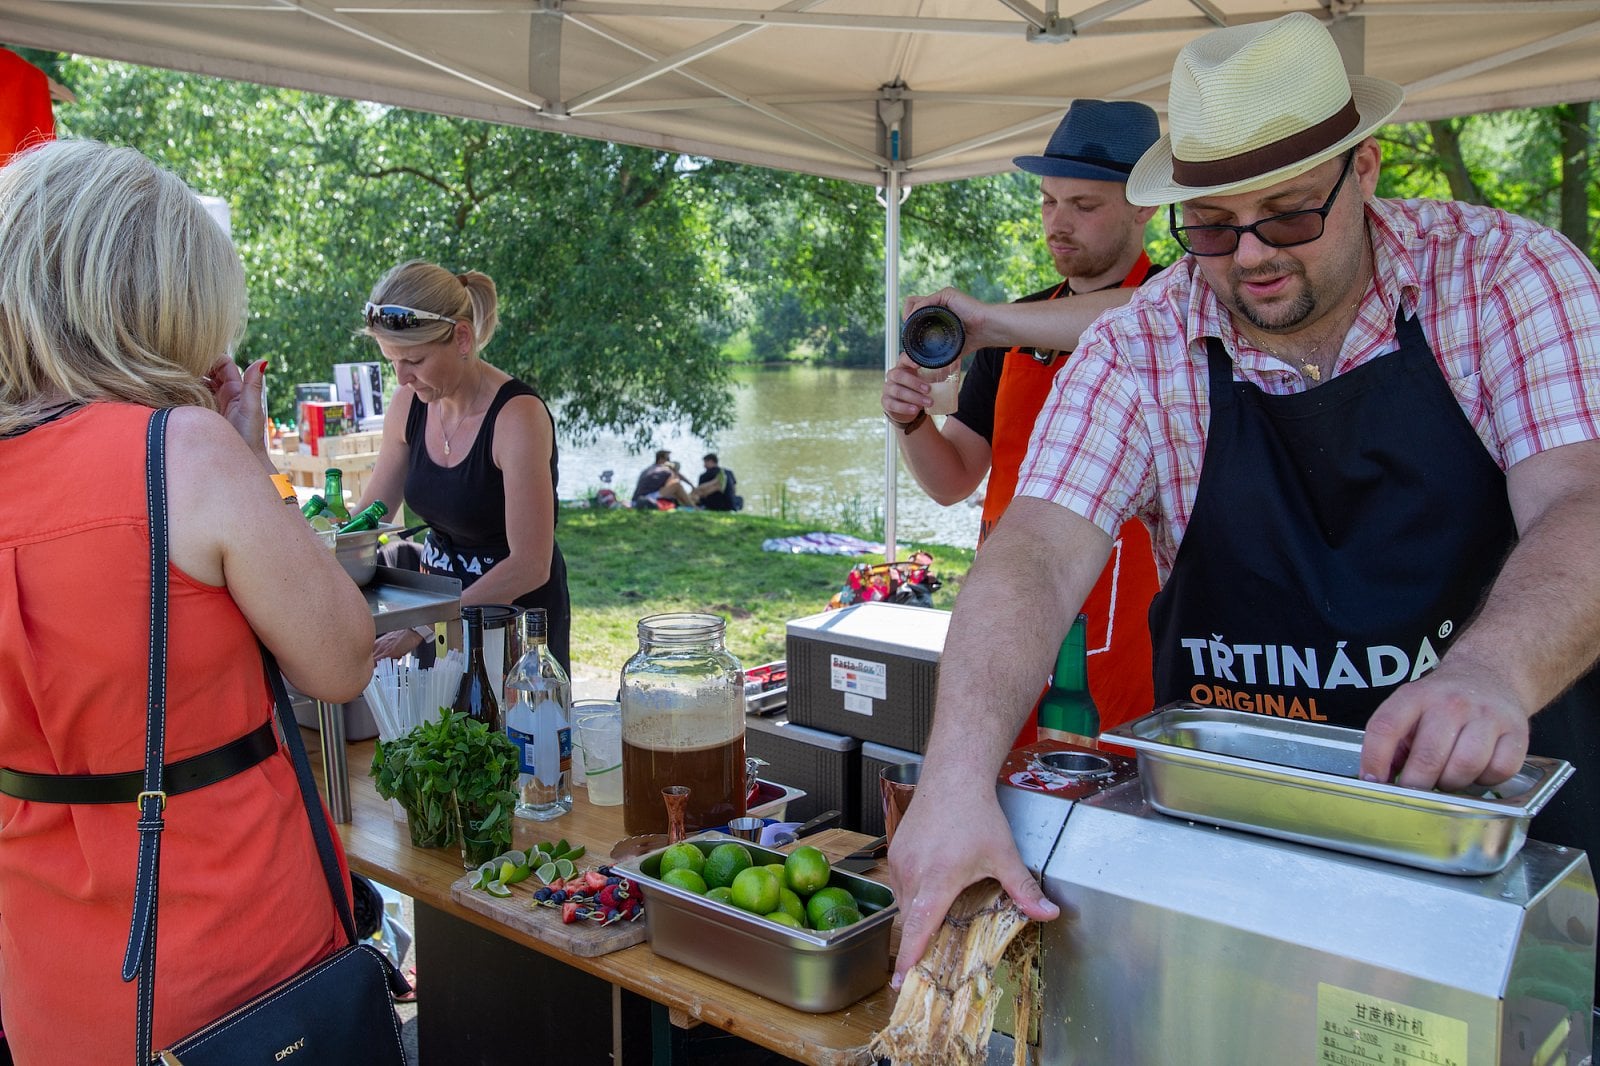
column 814, row 434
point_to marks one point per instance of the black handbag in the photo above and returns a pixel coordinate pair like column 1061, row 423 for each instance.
column 338, row 1012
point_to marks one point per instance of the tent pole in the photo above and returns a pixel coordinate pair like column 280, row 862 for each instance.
column 891, row 347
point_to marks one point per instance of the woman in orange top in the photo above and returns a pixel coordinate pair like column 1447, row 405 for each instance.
column 118, row 294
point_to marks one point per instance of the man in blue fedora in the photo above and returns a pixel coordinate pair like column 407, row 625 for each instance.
column 1096, row 240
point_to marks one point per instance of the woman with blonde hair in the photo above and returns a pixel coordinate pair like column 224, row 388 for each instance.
column 469, row 448
column 120, row 295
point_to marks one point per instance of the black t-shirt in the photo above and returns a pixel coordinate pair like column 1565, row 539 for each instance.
column 981, row 383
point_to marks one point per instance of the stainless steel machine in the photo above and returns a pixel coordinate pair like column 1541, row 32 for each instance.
column 1238, row 897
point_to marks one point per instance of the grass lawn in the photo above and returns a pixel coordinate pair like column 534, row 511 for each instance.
column 625, row 564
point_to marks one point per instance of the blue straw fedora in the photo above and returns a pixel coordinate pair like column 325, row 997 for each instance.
column 1099, row 140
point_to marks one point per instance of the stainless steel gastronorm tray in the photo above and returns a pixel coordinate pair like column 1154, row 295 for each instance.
column 1300, row 781
column 807, row 969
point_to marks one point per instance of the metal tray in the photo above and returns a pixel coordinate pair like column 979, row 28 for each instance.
column 1300, row 781
column 807, row 969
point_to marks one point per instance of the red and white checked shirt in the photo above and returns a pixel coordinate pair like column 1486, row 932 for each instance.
column 1510, row 307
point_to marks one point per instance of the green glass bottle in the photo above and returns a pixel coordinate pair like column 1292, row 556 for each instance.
column 314, row 506
column 1067, row 707
column 333, row 495
column 370, row 517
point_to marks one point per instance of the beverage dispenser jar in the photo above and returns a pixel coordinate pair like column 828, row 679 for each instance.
column 682, row 724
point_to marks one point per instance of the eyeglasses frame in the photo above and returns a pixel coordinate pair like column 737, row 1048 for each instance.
column 1239, row 231
column 375, row 313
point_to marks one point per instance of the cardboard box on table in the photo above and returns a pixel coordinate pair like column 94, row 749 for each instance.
column 867, row 671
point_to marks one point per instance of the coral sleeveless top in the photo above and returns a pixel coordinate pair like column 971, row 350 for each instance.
column 243, row 901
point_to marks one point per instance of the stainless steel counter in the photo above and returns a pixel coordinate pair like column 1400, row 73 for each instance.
column 398, row 599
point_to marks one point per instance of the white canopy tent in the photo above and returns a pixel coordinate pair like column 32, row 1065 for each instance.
column 888, row 93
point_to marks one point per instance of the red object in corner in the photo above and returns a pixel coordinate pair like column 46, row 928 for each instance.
column 25, row 114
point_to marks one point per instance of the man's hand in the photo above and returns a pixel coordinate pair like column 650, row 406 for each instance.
column 904, row 392
column 396, row 644
column 942, row 847
column 1459, row 726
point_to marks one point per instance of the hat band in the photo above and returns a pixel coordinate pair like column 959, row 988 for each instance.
column 1303, row 145
column 1093, row 161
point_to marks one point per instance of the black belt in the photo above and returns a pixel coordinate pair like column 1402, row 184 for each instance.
column 185, row 775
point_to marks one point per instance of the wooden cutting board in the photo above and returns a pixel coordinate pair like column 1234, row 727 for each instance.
column 584, row 939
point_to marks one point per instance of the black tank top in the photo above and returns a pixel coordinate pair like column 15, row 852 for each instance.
column 464, row 505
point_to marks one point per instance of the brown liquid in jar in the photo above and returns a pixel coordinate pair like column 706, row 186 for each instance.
column 715, row 776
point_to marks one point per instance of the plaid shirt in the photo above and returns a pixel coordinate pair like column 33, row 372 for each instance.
column 1511, row 309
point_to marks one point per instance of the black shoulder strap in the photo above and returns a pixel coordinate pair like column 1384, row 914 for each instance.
column 139, row 959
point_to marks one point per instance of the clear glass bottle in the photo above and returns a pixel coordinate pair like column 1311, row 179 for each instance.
column 475, row 696
column 539, row 723
column 333, row 495
column 1067, row 706
column 682, row 724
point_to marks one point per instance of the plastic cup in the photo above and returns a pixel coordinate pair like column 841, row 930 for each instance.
column 898, row 784
column 599, row 739
column 945, row 397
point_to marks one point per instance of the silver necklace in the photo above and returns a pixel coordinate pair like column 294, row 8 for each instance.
column 448, row 433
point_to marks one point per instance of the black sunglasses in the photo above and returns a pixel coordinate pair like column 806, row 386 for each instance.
column 394, row 316
column 1275, row 231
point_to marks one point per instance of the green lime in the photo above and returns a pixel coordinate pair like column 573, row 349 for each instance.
column 564, row 868
column 495, row 888
column 546, row 873
column 577, row 853
column 824, row 900
column 683, row 857
column 806, row 870
column 518, row 874
column 839, row 917
column 685, row 879
column 756, row 890
column 790, row 904
column 722, row 894
column 783, row 918
column 724, row 864
column 777, row 868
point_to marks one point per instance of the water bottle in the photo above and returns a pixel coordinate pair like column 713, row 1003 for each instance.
column 539, row 723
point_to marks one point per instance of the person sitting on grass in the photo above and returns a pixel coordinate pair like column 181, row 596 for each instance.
column 660, row 481
column 715, row 491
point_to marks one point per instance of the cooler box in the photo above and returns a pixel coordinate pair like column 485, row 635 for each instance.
column 874, row 757
column 826, row 765
column 867, row 671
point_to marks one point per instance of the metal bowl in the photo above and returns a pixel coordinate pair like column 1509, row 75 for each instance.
column 807, row 969
column 358, row 552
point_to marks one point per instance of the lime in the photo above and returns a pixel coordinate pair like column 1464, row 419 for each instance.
column 756, row 890
column 722, row 894
column 806, row 870
column 683, row 857
column 790, row 904
column 564, row 868
column 495, row 888
column 685, row 879
column 724, row 864
column 839, row 917
column 577, row 853
column 824, row 900
column 783, row 918
column 546, row 873
column 508, row 870
column 777, row 868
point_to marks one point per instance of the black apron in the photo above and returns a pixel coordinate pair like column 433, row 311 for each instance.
column 1340, row 539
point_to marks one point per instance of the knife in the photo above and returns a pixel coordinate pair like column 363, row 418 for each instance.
column 815, row 825
column 865, row 858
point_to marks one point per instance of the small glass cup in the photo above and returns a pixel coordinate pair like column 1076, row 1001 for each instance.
column 597, row 727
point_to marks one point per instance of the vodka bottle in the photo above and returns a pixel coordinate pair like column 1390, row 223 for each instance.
column 539, row 723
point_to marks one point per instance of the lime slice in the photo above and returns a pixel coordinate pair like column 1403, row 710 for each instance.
column 508, row 869
column 547, row 872
column 565, row 868
column 486, row 873
column 495, row 888
column 519, row 873
column 561, row 848
column 576, row 853
column 537, row 857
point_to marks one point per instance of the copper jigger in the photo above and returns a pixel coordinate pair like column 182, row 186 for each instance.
column 676, row 797
column 898, row 784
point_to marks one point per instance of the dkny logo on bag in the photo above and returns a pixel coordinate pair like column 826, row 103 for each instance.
column 290, row 1050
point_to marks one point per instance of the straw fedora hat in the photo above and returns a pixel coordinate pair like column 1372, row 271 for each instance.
column 1250, row 106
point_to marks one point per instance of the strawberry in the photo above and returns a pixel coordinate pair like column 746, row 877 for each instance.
column 569, row 912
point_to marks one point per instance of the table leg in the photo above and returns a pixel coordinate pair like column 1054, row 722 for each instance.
column 335, row 772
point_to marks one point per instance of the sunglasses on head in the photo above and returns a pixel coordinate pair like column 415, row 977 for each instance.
column 394, row 316
column 1275, row 231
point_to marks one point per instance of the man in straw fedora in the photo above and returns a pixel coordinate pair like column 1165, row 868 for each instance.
column 1363, row 434
column 1096, row 242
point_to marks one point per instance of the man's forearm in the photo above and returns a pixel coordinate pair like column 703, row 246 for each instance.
column 948, row 461
column 1015, row 607
column 1048, row 324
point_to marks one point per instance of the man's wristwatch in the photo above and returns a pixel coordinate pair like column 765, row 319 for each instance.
column 425, row 632
column 910, row 427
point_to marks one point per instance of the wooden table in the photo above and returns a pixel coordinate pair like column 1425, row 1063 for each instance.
column 379, row 846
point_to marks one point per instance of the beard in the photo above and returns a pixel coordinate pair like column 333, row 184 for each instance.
column 1283, row 315
column 1083, row 263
